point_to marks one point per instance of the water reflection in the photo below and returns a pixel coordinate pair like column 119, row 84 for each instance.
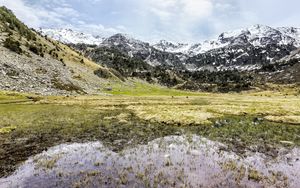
column 173, row 161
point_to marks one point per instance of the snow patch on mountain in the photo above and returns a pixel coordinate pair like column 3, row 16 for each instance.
column 123, row 39
column 242, row 49
column 69, row 36
column 256, row 35
column 171, row 47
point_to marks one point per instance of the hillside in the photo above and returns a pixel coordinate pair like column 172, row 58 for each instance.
column 36, row 64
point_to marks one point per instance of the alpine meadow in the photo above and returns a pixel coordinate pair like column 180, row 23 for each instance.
column 173, row 93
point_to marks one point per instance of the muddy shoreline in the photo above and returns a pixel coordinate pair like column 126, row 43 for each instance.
column 121, row 128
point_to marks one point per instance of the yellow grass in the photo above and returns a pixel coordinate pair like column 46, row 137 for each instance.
column 286, row 119
column 193, row 109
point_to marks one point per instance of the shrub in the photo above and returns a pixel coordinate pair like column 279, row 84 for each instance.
column 34, row 49
column 51, row 51
column 102, row 73
column 63, row 62
column 13, row 45
column 37, row 50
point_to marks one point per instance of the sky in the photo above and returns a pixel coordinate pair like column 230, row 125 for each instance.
column 152, row 20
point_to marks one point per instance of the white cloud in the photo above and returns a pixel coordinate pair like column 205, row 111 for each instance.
column 197, row 10
column 177, row 20
column 174, row 20
column 66, row 12
column 180, row 10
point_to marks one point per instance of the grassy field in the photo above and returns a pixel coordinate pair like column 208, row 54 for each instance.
column 260, row 121
column 136, row 88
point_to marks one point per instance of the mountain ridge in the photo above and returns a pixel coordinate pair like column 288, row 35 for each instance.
column 257, row 31
column 239, row 49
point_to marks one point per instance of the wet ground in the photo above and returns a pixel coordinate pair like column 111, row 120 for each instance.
column 172, row 161
column 209, row 141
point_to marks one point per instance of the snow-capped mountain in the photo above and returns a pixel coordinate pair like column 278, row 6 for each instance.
column 243, row 49
column 141, row 50
column 126, row 44
column 247, row 49
column 261, row 35
column 257, row 36
column 70, row 36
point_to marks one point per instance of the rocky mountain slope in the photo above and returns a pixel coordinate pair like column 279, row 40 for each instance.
column 142, row 50
column 36, row 64
column 284, row 71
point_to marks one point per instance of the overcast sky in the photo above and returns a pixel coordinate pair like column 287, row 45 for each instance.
column 151, row 20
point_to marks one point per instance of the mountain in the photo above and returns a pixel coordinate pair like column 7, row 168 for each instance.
column 257, row 36
column 243, row 49
column 141, row 50
column 244, row 57
column 234, row 61
column 246, row 49
column 68, row 36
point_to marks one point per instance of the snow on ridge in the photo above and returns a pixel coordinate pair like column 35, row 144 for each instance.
column 121, row 38
column 256, row 35
column 172, row 47
column 71, row 36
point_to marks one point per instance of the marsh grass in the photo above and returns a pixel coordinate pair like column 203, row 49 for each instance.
column 242, row 133
column 40, row 126
column 242, row 121
column 139, row 88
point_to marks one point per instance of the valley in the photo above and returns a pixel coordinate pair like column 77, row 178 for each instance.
column 78, row 110
column 264, row 123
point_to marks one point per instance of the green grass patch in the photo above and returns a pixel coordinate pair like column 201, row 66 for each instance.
column 139, row 88
column 7, row 129
column 243, row 133
column 6, row 96
column 118, row 122
column 28, row 129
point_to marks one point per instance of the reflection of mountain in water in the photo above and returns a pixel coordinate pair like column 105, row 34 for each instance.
column 170, row 161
